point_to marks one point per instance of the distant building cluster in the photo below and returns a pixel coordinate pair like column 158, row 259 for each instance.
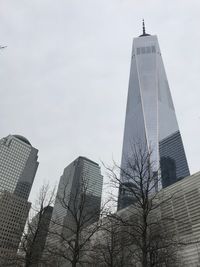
column 150, row 123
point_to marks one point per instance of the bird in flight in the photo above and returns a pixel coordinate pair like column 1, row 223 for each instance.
column 2, row 47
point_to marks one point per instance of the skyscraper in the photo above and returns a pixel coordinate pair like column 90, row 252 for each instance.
column 18, row 166
column 150, row 114
column 33, row 243
column 79, row 190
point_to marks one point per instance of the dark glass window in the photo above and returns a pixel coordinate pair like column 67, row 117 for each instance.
column 138, row 50
column 153, row 49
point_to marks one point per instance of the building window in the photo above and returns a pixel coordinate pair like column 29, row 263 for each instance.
column 146, row 50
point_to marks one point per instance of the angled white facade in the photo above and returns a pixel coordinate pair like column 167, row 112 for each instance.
column 184, row 207
column 180, row 203
column 150, row 114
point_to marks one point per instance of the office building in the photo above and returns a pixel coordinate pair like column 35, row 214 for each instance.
column 18, row 166
column 34, row 241
column 80, row 188
column 150, row 116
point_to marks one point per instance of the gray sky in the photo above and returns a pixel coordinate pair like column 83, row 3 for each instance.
column 64, row 75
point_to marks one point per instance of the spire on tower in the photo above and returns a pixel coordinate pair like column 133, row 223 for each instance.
column 143, row 27
column 144, row 30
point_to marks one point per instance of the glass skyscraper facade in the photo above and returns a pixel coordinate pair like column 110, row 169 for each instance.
column 150, row 114
column 82, row 176
column 18, row 166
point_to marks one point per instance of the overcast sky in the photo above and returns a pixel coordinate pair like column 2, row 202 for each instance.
column 64, row 75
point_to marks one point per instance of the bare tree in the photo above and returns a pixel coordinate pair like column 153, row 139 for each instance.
column 109, row 248
column 33, row 239
column 70, row 233
column 147, row 235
